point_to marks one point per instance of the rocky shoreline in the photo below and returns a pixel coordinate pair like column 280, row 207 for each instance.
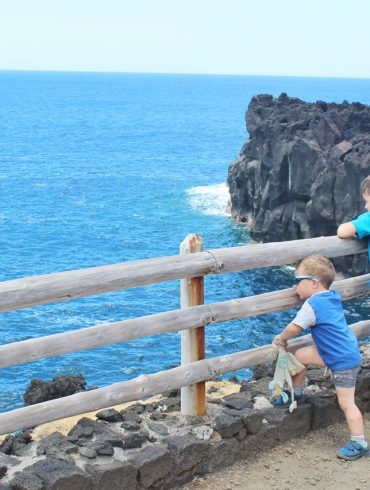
column 298, row 175
column 151, row 445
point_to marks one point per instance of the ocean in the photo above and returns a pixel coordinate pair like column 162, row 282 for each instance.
column 99, row 168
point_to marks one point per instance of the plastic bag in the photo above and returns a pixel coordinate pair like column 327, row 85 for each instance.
column 287, row 365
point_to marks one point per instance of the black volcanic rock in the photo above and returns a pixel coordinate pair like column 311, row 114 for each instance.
column 41, row 391
column 298, row 175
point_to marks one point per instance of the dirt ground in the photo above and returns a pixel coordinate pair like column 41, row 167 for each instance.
column 305, row 463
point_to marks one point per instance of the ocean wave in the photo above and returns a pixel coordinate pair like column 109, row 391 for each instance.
column 210, row 200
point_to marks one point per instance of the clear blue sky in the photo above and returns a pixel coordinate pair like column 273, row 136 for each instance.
column 259, row 37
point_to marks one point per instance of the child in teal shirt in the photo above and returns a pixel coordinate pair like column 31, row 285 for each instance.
column 361, row 225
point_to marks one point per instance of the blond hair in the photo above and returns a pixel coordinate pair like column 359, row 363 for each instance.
column 365, row 185
column 320, row 267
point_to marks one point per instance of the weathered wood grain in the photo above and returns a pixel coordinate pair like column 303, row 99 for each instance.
column 146, row 385
column 64, row 286
column 193, row 397
column 172, row 321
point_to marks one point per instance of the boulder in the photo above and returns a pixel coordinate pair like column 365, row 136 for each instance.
column 153, row 464
column 299, row 173
column 52, row 473
column 14, row 444
column 41, row 391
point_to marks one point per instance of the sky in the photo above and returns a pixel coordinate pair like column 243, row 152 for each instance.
column 329, row 38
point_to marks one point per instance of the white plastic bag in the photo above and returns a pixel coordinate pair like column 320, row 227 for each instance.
column 287, row 365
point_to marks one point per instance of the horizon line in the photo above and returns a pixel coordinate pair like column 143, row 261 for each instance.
column 2, row 70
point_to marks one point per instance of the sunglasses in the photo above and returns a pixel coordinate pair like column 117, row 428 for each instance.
column 298, row 279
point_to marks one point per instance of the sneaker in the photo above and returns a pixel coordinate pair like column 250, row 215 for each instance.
column 352, row 451
column 285, row 400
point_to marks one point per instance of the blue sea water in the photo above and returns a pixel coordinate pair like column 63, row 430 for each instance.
column 98, row 168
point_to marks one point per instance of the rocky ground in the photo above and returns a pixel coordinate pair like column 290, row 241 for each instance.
column 301, row 464
column 151, row 445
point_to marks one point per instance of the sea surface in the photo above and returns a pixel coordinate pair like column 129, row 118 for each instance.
column 99, row 168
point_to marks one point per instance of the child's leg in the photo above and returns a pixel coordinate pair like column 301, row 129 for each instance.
column 357, row 447
column 346, row 400
column 307, row 356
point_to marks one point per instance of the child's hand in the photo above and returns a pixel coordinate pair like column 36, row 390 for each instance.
column 279, row 341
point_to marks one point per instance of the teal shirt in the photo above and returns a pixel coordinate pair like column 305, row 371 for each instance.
column 362, row 225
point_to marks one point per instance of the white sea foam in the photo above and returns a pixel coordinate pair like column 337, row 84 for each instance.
column 210, row 200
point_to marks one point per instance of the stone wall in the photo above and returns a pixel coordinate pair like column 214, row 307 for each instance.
column 148, row 446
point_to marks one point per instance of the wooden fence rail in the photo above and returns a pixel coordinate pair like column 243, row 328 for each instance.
column 64, row 286
column 148, row 385
column 172, row 321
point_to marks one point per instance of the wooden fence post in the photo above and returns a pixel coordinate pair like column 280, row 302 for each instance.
column 193, row 397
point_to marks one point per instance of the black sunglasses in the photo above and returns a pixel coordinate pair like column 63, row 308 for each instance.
column 298, row 279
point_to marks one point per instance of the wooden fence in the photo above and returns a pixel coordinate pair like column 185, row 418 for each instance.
column 64, row 286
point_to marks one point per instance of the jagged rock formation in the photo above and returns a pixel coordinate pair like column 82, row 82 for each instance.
column 41, row 391
column 298, row 174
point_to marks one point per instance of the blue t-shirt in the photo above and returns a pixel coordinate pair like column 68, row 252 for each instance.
column 362, row 225
column 335, row 341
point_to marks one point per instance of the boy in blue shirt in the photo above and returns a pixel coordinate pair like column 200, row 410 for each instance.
column 335, row 346
column 361, row 225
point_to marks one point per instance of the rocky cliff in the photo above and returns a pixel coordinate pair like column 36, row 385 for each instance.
column 298, row 174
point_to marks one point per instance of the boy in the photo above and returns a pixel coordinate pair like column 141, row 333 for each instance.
column 335, row 345
column 361, row 225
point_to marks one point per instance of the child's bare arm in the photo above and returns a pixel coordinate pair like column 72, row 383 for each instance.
column 290, row 331
column 346, row 230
